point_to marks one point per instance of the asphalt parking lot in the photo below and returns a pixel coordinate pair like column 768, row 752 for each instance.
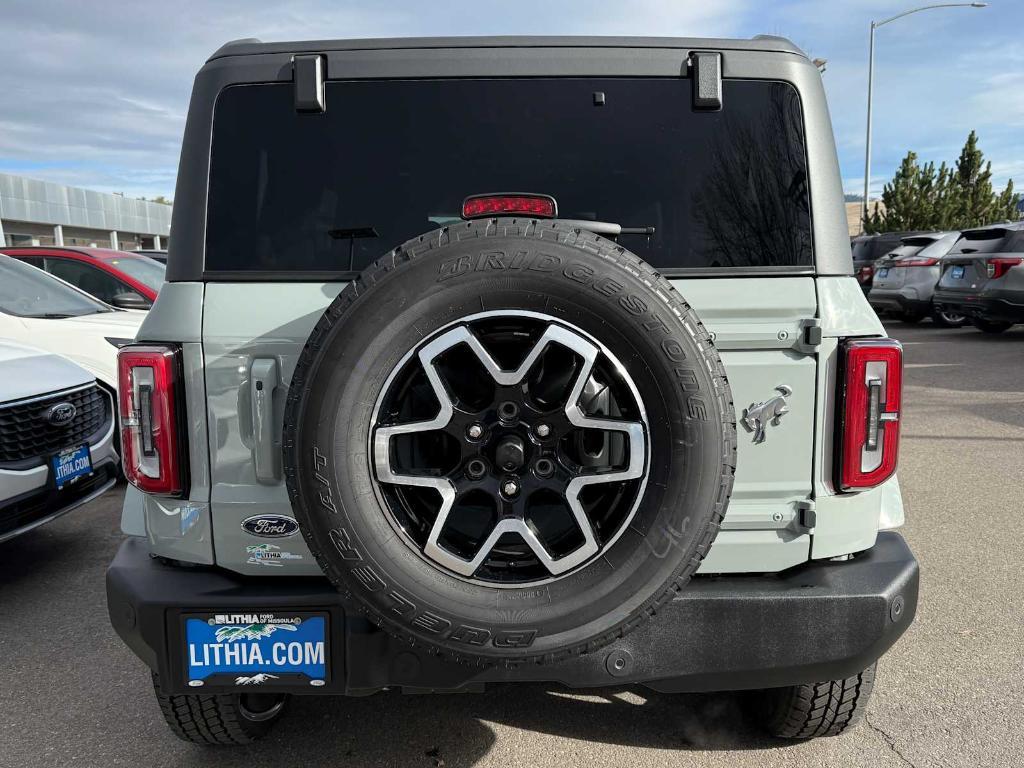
column 949, row 694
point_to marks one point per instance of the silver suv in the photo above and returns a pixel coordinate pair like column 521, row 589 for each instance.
column 490, row 360
column 904, row 279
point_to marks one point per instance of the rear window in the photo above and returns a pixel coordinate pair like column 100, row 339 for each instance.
column 390, row 160
column 995, row 240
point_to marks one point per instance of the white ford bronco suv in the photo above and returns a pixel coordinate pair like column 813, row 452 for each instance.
column 485, row 360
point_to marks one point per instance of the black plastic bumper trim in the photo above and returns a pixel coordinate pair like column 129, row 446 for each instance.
column 820, row 621
column 984, row 307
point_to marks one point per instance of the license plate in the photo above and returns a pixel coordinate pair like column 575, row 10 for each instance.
column 256, row 649
column 71, row 464
column 883, row 272
column 957, row 272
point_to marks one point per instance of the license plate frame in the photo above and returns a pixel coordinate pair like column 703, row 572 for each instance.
column 217, row 649
column 78, row 458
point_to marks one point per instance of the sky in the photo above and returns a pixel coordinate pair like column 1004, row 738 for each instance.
column 95, row 94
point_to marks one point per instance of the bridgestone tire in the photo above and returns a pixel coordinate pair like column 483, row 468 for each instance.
column 430, row 283
column 219, row 719
column 817, row 709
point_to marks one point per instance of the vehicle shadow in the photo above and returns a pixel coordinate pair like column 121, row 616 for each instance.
column 458, row 730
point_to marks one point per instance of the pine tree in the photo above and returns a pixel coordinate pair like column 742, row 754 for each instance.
column 1007, row 206
column 921, row 198
column 973, row 180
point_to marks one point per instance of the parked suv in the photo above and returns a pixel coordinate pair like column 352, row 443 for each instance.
column 983, row 279
column 56, row 438
column 123, row 280
column 492, row 360
column 867, row 249
column 904, row 279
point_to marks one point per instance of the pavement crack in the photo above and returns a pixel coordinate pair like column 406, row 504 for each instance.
column 890, row 742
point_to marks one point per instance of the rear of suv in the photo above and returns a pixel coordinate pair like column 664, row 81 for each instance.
column 492, row 360
column 983, row 277
column 904, row 279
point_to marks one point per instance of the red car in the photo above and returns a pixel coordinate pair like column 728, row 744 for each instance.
column 124, row 280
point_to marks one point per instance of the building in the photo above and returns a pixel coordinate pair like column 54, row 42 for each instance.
column 854, row 212
column 43, row 213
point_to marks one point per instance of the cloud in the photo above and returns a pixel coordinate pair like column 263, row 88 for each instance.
column 96, row 93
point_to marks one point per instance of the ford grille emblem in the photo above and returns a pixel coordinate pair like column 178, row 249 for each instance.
column 60, row 415
column 270, row 526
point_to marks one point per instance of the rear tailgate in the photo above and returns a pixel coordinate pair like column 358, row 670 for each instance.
column 965, row 268
column 251, row 332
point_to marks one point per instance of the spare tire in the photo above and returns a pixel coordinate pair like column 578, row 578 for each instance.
column 509, row 440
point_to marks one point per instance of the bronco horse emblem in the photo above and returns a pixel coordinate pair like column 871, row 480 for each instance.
column 758, row 415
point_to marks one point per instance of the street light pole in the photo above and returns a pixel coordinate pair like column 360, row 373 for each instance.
column 871, row 84
column 867, row 149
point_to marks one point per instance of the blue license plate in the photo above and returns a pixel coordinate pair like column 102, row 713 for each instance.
column 256, row 649
column 957, row 272
column 71, row 464
column 883, row 272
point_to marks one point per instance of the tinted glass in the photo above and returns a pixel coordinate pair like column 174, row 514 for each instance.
column 147, row 271
column 390, row 160
column 995, row 240
column 29, row 292
column 90, row 279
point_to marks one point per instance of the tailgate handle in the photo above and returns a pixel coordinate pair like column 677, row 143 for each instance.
column 264, row 380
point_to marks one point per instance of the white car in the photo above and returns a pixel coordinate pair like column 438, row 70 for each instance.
column 56, row 438
column 39, row 309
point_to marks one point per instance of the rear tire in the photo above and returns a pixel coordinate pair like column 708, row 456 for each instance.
column 990, row 326
column 817, row 709
column 220, row 719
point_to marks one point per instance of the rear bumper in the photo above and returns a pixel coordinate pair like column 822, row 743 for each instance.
column 31, row 509
column 995, row 306
column 897, row 301
column 819, row 621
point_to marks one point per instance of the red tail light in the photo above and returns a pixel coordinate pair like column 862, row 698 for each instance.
column 1000, row 265
column 869, row 412
column 149, row 386
column 917, row 262
column 476, row 206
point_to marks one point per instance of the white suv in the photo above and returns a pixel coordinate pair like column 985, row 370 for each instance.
column 56, row 438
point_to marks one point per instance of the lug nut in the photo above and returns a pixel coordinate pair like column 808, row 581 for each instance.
column 510, row 488
column 543, row 430
column 474, row 431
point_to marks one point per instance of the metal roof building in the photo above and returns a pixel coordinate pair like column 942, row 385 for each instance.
column 36, row 212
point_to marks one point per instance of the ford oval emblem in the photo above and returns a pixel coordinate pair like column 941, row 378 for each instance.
column 60, row 414
column 270, row 526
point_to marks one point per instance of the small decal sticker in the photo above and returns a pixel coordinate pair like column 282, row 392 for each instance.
column 269, row 554
column 270, row 526
column 189, row 517
column 262, row 677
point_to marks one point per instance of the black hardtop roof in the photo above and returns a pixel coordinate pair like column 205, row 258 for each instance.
column 252, row 46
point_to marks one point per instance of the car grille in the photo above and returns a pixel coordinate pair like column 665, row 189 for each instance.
column 27, row 439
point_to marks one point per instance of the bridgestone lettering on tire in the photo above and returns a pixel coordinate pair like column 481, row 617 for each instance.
column 509, row 440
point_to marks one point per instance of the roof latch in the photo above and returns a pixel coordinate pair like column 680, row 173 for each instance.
column 309, row 83
column 707, row 80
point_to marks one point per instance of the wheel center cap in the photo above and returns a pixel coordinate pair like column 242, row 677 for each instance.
column 510, row 454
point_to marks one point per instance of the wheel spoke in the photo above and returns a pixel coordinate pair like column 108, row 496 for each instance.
column 512, row 514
